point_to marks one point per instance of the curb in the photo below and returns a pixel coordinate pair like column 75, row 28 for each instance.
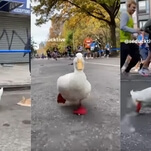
column 16, row 87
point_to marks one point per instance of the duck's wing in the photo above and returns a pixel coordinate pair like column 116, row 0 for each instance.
column 88, row 86
column 143, row 95
column 63, row 81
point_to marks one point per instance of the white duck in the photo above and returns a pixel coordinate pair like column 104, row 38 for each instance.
column 74, row 87
column 1, row 92
column 141, row 98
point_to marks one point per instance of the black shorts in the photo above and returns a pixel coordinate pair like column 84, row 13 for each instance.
column 107, row 52
column 130, row 48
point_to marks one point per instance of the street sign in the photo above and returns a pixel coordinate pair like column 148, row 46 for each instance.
column 24, row 9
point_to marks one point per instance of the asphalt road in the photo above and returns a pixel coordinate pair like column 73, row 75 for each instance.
column 15, row 122
column 55, row 128
column 135, row 128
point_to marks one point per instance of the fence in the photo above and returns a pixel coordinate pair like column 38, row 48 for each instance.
column 114, row 49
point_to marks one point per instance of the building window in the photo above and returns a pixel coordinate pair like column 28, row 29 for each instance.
column 143, row 6
column 142, row 23
column 123, row 7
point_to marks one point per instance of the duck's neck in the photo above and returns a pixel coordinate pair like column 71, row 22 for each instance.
column 78, row 71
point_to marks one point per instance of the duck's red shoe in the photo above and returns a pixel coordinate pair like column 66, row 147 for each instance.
column 138, row 107
column 60, row 99
column 80, row 111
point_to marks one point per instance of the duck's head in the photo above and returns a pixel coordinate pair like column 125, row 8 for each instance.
column 78, row 62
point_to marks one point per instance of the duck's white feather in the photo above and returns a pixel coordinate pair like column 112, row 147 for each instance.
column 74, row 86
column 1, row 93
column 142, row 96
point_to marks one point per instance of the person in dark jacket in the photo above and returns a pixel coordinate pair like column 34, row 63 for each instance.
column 69, row 50
column 48, row 54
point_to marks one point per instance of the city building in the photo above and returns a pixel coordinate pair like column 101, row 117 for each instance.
column 143, row 11
column 42, row 45
column 14, row 29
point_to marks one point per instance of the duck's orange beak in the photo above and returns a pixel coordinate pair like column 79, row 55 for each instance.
column 80, row 65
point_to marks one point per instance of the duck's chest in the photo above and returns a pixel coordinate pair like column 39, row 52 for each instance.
column 78, row 88
column 78, row 82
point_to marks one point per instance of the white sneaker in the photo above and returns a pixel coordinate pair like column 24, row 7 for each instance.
column 136, row 70
column 144, row 72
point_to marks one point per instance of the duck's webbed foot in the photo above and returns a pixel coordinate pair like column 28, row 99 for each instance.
column 60, row 99
column 81, row 110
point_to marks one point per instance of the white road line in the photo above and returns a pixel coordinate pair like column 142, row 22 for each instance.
column 17, row 92
column 102, row 64
column 145, row 80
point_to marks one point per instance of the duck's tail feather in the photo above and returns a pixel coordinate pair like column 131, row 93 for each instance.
column 133, row 96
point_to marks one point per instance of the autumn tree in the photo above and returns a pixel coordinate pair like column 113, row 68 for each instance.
column 102, row 10
column 54, row 33
column 81, row 25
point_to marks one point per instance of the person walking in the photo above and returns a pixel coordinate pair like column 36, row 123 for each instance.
column 69, row 50
column 143, row 47
column 147, row 28
column 107, row 50
column 80, row 49
column 48, row 54
column 126, row 31
column 94, row 47
column 87, row 42
column 55, row 53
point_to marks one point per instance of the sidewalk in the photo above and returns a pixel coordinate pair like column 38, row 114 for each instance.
column 16, row 76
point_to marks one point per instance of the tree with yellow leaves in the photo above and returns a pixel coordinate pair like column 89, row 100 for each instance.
column 102, row 10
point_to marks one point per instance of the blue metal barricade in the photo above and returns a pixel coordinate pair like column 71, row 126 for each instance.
column 15, row 51
column 114, row 49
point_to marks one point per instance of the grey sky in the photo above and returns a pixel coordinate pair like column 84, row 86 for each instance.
column 39, row 34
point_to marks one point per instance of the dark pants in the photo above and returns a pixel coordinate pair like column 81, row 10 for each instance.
column 131, row 49
column 48, row 55
column 69, row 54
column 107, row 52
